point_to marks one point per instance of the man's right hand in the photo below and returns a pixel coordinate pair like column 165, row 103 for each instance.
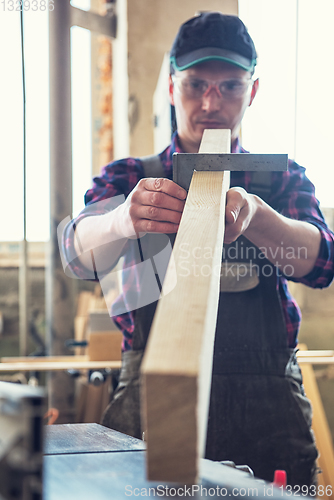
column 156, row 206
column 153, row 206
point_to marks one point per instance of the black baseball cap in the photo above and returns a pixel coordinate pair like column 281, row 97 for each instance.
column 212, row 35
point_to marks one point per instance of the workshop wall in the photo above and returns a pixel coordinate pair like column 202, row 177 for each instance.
column 9, row 297
column 151, row 27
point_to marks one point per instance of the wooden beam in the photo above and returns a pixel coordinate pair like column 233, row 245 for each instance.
column 42, row 359
column 177, row 366
column 315, row 354
column 105, row 346
column 61, row 365
column 311, row 357
column 317, row 360
column 321, row 430
column 104, row 25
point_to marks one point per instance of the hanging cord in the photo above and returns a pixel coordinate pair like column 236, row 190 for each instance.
column 24, row 126
column 23, row 267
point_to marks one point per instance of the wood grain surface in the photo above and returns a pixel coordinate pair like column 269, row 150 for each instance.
column 177, row 366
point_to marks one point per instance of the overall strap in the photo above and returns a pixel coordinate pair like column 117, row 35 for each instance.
column 152, row 166
column 261, row 184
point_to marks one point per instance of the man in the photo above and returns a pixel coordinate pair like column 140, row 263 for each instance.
column 259, row 414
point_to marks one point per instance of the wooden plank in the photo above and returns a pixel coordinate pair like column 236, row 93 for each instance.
column 80, row 329
column 105, row 397
column 326, row 360
column 105, row 346
column 80, row 403
column 84, row 301
column 58, row 366
column 215, row 141
column 321, row 430
column 81, row 320
column 103, row 25
column 93, row 411
column 315, row 354
column 95, row 402
column 177, row 366
column 43, row 359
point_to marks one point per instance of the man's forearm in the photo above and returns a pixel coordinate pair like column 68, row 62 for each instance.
column 100, row 239
column 290, row 244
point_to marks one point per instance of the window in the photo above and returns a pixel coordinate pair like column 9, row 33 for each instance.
column 11, row 126
column 36, row 51
column 293, row 112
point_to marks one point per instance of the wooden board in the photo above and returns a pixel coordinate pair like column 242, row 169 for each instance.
column 317, row 360
column 314, row 354
column 105, row 346
column 97, row 399
column 57, row 365
column 319, row 357
column 43, row 359
column 177, row 366
column 80, row 330
column 321, row 430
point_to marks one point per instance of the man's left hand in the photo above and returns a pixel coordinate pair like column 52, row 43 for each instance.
column 239, row 212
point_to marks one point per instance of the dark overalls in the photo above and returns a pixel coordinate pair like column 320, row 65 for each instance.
column 259, row 415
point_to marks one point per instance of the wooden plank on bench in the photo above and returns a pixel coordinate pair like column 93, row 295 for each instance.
column 177, row 366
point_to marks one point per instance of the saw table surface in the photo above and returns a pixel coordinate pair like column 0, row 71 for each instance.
column 89, row 461
column 87, row 438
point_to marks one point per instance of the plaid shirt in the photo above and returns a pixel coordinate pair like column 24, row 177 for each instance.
column 292, row 195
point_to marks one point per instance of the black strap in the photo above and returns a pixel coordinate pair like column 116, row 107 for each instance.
column 261, row 184
column 153, row 166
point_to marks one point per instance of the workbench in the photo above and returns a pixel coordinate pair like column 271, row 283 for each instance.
column 54, row 363
column 63, row 363
column 89, row 461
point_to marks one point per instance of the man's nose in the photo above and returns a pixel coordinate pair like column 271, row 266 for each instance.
column 211, row 101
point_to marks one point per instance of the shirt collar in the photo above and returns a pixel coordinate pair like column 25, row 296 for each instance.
column 236, row 146
column 175, row 144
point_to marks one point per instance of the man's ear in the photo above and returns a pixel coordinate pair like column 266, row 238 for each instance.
column 171, row 91
column 254, row 91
